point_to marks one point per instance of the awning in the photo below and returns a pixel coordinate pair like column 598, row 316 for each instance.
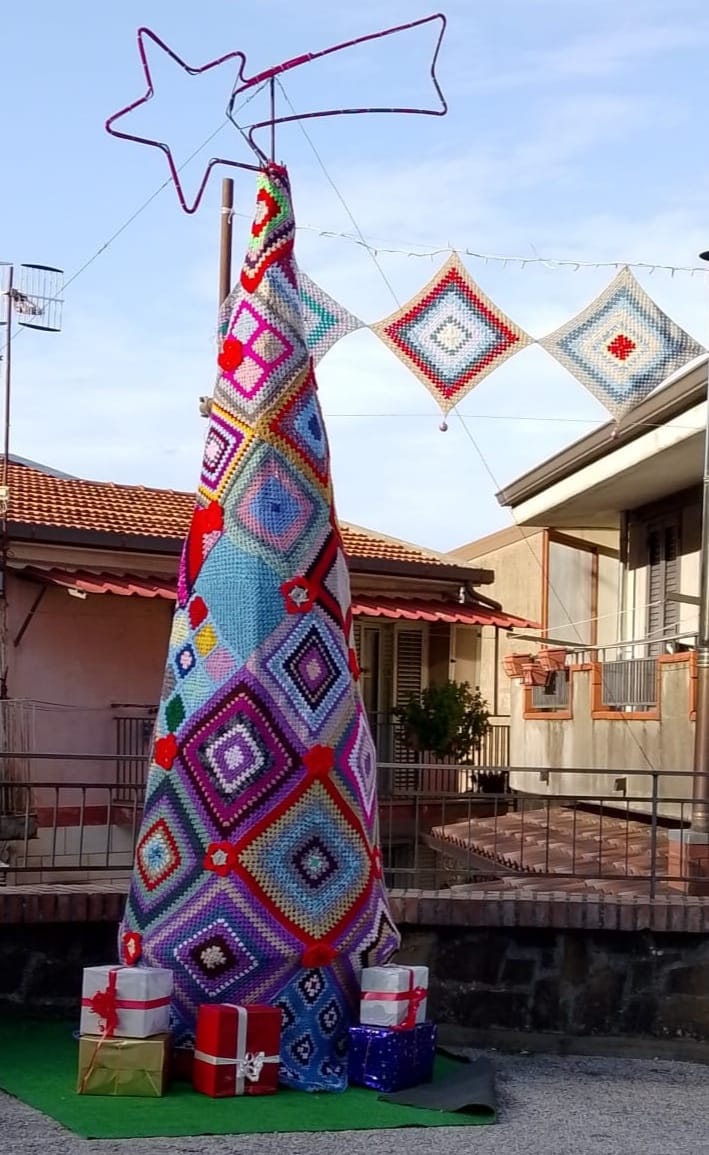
column 392, row 608
column 86, row 582
column 419, row 610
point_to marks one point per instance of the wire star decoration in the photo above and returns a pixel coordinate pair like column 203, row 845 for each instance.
column 239, row 57
column 243, row 83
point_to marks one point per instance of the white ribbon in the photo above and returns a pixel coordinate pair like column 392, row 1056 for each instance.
column 249, row 1067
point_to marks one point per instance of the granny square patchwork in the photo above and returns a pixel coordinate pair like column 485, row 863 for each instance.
column 258, row 874
column 451, row 335
column 622, row 346
column 326, row 321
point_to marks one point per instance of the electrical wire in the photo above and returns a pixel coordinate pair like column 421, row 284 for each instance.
column 488, row 469
column 141, row 209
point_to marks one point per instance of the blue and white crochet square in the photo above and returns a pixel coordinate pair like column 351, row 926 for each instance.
column 622, row 346
column 326, row 321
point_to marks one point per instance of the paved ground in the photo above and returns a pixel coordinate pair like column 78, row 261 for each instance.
column 549, row 1105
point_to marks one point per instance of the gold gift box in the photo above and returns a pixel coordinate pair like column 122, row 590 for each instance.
column 137, row 1067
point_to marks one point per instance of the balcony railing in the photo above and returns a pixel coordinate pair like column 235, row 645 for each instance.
column 430, row 839
column 554, row 695
column 629, row 684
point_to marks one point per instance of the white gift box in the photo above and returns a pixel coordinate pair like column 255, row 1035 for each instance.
column 393, row 996
column 126, row 1002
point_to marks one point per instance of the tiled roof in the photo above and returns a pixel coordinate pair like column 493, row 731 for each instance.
column 559, row 840
column 44, row 499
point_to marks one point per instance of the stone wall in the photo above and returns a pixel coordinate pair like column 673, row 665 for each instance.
column 526, row 979
column 41, row 965
column 572, row 982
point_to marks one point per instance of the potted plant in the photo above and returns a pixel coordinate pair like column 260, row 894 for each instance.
column 552, row 660
column 446, row 720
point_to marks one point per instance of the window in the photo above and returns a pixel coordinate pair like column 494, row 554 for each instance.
column 662, row 579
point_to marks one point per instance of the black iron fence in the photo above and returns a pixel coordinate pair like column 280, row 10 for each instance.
column 443, row 832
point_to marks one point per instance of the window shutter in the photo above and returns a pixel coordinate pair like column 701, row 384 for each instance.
column 409, row 662
column 358, row 640
column 671, row 575
column 663, row 565
column 408, row 671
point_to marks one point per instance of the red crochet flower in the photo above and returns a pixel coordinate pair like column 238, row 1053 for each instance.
column 132, row 947
column 299, row 595
column 220, row 858
column 319, row 761
column 231, row 356
column 318, row 954
column 354, row 664
column 197, row 612
column 166, row 751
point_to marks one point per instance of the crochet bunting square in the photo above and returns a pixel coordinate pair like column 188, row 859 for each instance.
column 622, row 346
column 451, row 335
column 326, row 321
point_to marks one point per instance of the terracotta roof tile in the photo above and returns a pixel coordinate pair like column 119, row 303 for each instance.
column 39, row 498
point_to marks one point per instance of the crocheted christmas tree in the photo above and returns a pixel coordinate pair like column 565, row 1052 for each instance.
column 258, row 874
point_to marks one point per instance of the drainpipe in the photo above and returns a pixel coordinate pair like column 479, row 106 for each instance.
column 700, row 793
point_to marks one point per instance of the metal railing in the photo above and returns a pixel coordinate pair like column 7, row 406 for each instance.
column 388, row 734
column 554, row 695
column 613, row 840
column 630, row 684
column 133, row 737
column 616, row 835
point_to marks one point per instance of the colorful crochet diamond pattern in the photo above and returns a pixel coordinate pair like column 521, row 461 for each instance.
column 258, row 874
column 622, row 346
column 326, row 321
column 451, row 335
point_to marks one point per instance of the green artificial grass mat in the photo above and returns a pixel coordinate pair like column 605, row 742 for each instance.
column 38, row 1065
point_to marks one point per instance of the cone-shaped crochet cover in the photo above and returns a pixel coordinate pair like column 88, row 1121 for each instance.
column 258, row 875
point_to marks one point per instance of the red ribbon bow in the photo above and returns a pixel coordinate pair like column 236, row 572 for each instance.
column 104, row 1004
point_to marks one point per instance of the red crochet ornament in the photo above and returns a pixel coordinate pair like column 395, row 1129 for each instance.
column 197, row 612
column 166, row 751
column 318, row 954
column 319, row 761
column 220, row 858
column 131, row 947
column 299, row 595
column 231, row 356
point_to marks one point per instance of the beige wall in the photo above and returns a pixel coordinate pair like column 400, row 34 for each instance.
column 517, row 566
column 518, row 586
column 606, row 749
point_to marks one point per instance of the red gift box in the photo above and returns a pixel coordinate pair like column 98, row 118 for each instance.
column 237, row 1050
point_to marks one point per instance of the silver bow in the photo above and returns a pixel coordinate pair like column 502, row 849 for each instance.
column 251, row 1066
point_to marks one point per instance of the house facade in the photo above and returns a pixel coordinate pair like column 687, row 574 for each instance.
column 623, row 621
column 565, row 581
column 90, row 582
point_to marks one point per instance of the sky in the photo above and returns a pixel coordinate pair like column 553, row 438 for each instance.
column 575, row 130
